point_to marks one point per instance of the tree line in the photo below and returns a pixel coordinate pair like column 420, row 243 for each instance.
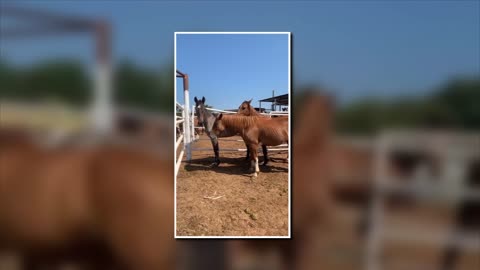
column 455, row 103
column 68, row 81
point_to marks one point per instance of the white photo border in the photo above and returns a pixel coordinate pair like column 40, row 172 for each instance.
column 289, row 130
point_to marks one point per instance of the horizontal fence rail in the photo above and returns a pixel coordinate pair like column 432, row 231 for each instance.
column 266, row 114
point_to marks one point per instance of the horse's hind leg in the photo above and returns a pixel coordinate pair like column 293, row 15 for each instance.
column 248, row 152
column 254, row 159
column 265, row 155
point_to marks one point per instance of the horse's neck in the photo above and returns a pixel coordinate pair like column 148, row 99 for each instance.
column 236, row 126
column 254, row 112
column 210, row 119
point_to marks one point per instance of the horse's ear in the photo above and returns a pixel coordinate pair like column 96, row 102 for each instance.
column 219, row 117
column 196, row 100
column 203, row 99
column 250, row 101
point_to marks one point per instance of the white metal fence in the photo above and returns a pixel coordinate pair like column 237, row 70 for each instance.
column 184, row 127
column 455, row 150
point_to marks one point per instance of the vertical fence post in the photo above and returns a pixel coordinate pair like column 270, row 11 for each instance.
column 374, row 245
column 193, row 124
column 102, row 111
column 188, row 136
column 188, row 119
column 184, row 127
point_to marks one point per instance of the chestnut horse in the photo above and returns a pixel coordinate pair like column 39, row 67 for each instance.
column 107, row 205
column 254, row 130
column 248, row 110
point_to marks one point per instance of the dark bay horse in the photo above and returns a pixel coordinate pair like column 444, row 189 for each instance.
column 200, row 130
column 254, row 131
column 106, row 206
column 206, row 119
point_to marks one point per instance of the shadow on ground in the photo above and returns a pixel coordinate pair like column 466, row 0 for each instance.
column 240, row 166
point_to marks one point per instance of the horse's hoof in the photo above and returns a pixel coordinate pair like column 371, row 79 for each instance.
column 255, row 174
column 214, row 165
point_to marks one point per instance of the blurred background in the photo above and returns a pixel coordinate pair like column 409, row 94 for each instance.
column 385, row 122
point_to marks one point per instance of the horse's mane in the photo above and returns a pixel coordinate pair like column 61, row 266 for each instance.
column 239, row 121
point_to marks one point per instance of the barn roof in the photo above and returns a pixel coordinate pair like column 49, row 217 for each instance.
column 278, row 100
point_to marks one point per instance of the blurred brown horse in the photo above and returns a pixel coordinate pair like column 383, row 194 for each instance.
column 312, row 191
column 254, row 130
column 106, row 206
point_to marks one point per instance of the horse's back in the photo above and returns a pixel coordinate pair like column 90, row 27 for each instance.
column 272, row 132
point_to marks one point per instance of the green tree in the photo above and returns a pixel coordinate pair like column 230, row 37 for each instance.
column 64, row 80
column 452, row 105
column 461, row 98
column 144, row 88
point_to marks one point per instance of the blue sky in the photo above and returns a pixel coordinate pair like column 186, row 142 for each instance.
column 228, row 69
column 353, row 48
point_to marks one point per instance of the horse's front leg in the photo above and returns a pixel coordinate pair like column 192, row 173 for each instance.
column 254, row 159
column 214, row 141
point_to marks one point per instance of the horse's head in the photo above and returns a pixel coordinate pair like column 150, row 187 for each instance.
column 245, row 108
column 218, row 126
column 200, row 110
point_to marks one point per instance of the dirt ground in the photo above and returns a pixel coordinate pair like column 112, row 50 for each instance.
column 248, row 206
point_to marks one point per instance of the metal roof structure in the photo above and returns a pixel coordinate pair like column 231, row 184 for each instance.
column 277, row 100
